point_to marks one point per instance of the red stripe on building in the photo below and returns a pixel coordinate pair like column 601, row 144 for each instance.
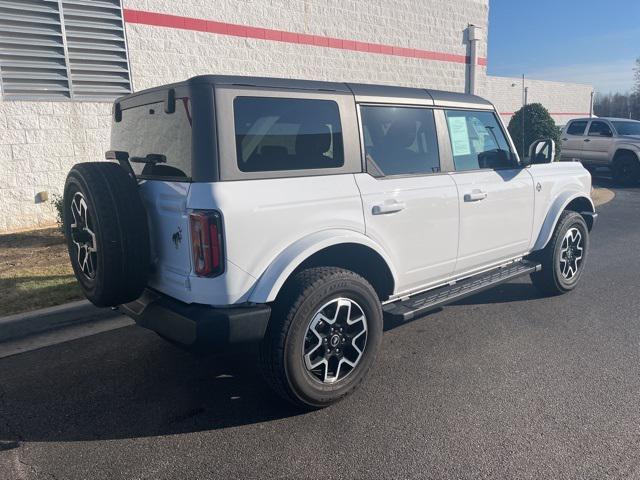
column 235, row 30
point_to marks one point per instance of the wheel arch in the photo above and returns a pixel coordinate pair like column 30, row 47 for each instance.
column 577, row 202
column 338, row 248
column 623, row 149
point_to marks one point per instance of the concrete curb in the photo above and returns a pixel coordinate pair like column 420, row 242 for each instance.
column 20, row 325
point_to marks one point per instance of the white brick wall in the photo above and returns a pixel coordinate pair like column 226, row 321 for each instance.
column 161, row 55
column 40, row 141
column 180, row 54
column 570, row 99
column 435, row 25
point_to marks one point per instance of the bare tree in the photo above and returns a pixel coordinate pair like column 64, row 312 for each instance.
column 620, row 105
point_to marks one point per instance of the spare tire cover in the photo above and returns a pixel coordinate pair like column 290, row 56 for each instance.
column 107, row 233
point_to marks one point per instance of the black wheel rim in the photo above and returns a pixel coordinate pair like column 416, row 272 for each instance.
column 83, row 236
column 335, row 340
column 571, row 253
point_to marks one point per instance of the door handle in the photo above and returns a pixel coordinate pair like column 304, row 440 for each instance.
column 564, row 139
column 385, row 208
column 587, row 140
column 475, row 196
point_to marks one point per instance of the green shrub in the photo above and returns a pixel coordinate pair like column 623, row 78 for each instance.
column 58, row 203
column 537, row 124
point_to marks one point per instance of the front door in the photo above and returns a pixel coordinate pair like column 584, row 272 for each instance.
column 410, row 207
column 573, row 140
column 495, row 195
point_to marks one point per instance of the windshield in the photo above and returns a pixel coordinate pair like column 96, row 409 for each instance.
column 627, row 128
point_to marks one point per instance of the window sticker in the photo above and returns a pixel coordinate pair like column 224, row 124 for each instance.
column 459, row 136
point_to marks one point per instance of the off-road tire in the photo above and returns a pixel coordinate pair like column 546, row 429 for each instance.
column 281, row 352
column 550, row 280
column 625, row 169
column 118, row 221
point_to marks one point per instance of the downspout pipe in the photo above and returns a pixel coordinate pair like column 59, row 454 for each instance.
column 473, row 35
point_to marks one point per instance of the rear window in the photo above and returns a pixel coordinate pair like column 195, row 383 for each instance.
column 627, row 128
column 147, row 129
column 576, row 128
column 599, row 129
column 274, row 134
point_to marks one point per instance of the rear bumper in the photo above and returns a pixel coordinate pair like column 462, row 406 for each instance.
column 196, row 325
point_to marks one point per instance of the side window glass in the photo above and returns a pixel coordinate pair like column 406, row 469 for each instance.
column 274, row 134
column 600, row 129
column 477, row 141
column 400, row 140
column 577, row 127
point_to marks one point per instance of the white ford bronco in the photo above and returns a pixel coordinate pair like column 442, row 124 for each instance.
column 297, row 214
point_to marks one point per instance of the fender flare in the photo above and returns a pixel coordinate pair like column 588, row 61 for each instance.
column 628, row 147
column 550, row 221
column 272, row 279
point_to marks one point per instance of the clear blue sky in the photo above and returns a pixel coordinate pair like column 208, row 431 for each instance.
column 588, row 41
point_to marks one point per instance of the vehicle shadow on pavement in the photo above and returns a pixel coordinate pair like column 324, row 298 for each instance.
column 128, row 383
column 504, row 293
column 603, row 181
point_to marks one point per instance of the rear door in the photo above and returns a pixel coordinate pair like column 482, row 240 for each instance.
column 164, row 186
column 287, row 164
column 597, row 143
column 410, row 206
column 496, row 195
column 573, row 140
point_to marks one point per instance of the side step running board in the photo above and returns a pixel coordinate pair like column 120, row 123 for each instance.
column 416, row 305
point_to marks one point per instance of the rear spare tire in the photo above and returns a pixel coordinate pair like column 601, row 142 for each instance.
column 107, row 234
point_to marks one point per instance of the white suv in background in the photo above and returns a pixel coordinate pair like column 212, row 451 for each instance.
column 295, row 214
column 604, row 142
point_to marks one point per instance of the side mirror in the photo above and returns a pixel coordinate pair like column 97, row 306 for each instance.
column 541, row 151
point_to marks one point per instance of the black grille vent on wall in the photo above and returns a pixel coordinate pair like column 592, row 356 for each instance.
column 56, row 49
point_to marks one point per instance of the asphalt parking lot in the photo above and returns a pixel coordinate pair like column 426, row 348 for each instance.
column 504, row 384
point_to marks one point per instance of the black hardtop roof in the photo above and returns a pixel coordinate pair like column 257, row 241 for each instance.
column 362, row 92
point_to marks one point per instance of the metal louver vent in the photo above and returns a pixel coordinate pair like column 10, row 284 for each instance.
column 57, row 49
column 32, row 54
column 97, row 53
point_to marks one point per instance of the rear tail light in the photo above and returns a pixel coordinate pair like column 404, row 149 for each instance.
column 206, row 243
